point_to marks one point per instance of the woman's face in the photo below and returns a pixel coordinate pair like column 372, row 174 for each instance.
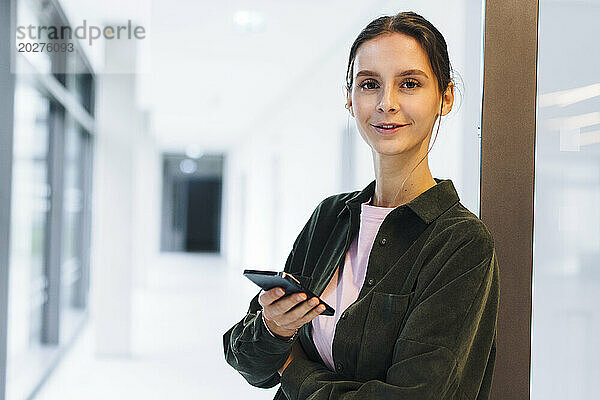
column 394, row 84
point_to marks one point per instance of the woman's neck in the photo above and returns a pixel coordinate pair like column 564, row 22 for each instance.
column 401, row 177
column 387, row 189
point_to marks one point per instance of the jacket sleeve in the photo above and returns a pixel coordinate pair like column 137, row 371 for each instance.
column 445, row 342
column 248, row 346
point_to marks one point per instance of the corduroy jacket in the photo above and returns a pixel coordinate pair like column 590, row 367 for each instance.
column 423, row 325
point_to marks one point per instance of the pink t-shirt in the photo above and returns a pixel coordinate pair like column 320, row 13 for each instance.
column 344, row 287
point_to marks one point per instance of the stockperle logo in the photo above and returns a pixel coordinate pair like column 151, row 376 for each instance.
column 87, row 32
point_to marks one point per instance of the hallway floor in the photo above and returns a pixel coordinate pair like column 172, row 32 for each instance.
column 180, row 315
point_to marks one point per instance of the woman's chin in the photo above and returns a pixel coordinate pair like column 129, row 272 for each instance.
column 391, row 149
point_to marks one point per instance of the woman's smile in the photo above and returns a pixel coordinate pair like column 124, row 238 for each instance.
column 388, row 129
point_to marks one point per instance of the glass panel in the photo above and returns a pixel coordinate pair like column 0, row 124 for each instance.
column 30, row 205
column 79, row 81
column 566, row 278
column 72, row 208
column 70, row 275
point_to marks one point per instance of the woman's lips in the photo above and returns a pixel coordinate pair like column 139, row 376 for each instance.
column 385, row 131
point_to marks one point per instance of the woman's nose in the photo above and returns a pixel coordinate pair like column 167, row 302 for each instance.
column 388, row 101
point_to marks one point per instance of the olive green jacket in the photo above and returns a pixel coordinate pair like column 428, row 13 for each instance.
column 423, row 325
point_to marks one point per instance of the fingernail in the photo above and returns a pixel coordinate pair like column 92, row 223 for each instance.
column 280, row 292
column 300, row 297
column 312, row 302
column 321, row 307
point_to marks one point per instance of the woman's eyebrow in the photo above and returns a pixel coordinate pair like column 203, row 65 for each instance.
column 366, row 72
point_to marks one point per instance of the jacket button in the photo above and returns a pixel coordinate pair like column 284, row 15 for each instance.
column 339, row 367
column 371, row 282
column 344, row 315
column 383, row 241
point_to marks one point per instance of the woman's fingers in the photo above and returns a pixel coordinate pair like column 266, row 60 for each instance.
column 288, row 311
column 274, row 303
column 300, row 315
column 284, row 305
column 312, row 314
column 270, row 296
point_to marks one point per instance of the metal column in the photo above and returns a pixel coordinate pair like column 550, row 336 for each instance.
column 507, row 179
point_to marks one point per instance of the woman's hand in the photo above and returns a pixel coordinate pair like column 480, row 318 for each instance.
column 296, row 352
column 285, row 315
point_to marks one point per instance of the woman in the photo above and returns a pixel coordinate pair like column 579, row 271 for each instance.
column 411, row 273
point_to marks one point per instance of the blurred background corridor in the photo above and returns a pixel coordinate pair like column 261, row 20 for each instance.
column 145, row 174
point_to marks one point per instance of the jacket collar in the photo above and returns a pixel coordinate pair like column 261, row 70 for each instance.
column 428, row 205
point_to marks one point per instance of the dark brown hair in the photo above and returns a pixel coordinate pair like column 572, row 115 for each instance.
column 413, row 25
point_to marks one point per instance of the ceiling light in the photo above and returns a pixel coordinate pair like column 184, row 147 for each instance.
column 249, row 21
column 569, row 96
column 188, row 166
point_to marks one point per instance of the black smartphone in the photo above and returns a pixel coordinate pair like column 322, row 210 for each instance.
column 267, row 280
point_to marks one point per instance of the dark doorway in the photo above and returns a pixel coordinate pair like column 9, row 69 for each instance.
column 191, row 203
column 203, row 230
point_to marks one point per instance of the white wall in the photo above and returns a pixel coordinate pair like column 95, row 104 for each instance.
column 126, row 204
column 147, row 192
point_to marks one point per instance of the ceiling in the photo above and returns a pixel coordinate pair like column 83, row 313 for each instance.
column 201, row 76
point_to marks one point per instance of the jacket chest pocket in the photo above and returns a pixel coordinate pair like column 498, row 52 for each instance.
column 381, row 329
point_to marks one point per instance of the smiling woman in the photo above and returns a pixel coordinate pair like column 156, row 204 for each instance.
column 411, row 273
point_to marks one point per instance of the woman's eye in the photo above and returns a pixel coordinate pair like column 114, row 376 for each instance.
column 365, row 83
column 373, row 85
column 412, row 82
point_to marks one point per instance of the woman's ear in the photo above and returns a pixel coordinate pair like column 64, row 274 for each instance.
column 349, row 101
column 349, row 106
column 448, row 99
